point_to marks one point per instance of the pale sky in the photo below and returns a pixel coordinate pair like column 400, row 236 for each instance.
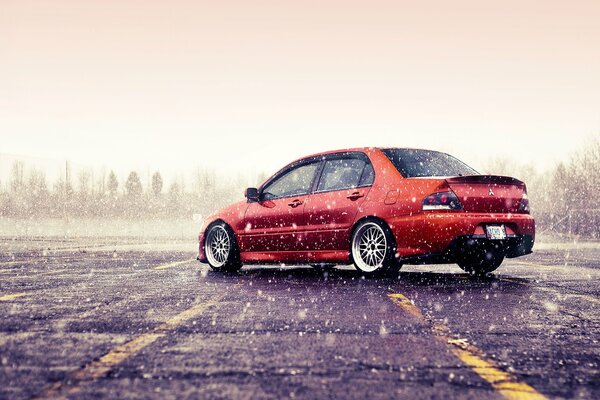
column 250, row 85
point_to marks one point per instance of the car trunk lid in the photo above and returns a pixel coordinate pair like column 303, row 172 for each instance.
column 488, row 193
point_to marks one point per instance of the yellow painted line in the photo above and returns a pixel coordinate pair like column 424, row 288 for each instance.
column 173, row 264
column 588, row 298
column 54, row 271
column 533, row 264
column 576, row 259
column 41, row 272
column 29, row 260
column 503, row 382
column 407, row 305
column 12, row 296
column 96, row 369
column 555, row 267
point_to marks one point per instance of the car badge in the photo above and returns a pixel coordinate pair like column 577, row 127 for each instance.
column 491, row 192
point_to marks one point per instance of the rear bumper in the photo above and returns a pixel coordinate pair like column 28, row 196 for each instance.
column 514, row 246
column 439, row 232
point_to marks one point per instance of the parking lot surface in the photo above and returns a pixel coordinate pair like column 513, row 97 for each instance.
column 152, row 322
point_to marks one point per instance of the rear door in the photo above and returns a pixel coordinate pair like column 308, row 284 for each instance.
column 276, row 222
column 344, row 183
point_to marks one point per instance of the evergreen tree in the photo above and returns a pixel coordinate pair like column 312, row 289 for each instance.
column 133, row 185
column 157, row 184
column 113, row 184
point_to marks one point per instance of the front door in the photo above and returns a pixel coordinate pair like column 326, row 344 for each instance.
column 277, row 221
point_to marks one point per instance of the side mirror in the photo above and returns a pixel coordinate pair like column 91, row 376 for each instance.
column 252, row 195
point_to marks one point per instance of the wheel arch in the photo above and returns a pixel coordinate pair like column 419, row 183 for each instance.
column 235, row 248
column 370, row 218
column 220, row 221
column 214, row 222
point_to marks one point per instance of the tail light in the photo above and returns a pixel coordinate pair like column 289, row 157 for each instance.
column 441, row 201
column 524, row 204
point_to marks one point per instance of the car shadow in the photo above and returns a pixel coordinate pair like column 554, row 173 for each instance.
column 436, row 293
column 348, row 276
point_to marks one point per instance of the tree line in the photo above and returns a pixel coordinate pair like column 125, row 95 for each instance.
column 28, row 194
column 564, row 199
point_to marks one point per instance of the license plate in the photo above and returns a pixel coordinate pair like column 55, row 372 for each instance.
column 495, row 232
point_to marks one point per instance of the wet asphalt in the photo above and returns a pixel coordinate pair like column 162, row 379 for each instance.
column 164, row 326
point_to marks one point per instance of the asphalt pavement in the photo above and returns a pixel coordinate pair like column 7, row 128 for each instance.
column 116, row 322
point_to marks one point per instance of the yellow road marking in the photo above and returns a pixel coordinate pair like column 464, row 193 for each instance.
column 173, row 264
column 555, row 267
column 555, row 292
column 12, row 296
column 54, row 271
column 43, row 272
column 99, row 368
column 504, row 383
column 533, row 264
column 407, row 305
column 22, row 261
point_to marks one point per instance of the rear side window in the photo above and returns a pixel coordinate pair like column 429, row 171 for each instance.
column 295, row 182
column 412, row 163
column 368, row 176
column 345, row 173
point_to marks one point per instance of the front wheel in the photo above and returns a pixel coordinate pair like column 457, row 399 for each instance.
column 221, row 248
column 374, row 248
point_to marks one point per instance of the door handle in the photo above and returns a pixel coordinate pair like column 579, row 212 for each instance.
column 355, row 196
column 295, row 203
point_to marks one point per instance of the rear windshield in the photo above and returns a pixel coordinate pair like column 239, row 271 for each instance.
column 413, row 163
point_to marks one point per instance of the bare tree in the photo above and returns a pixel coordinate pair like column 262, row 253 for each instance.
column 17, row 176
column 36, row 184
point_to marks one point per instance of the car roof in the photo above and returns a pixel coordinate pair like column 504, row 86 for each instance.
column 359, row 149
column 348, row 150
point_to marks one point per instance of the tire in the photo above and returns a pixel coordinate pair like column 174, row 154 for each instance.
column 222, row 251
column 373, row 249
column 481, row 261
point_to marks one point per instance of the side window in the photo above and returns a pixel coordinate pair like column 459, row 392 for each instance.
column 368, row 176
column 294, row 183
column 341, row 174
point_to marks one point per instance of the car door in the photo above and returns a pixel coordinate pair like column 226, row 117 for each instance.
column 344, row 183
column 277, row 221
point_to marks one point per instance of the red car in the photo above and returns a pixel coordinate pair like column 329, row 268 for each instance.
column 377, row 208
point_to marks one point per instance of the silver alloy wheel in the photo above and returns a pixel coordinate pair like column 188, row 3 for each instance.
column 218, row 246
column 369, row 247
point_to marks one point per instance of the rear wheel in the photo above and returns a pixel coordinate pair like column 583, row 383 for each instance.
column 374, row 248
column 221, row 248
column 481, row 261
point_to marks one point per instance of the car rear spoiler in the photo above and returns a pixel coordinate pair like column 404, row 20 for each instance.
column 486, row 179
